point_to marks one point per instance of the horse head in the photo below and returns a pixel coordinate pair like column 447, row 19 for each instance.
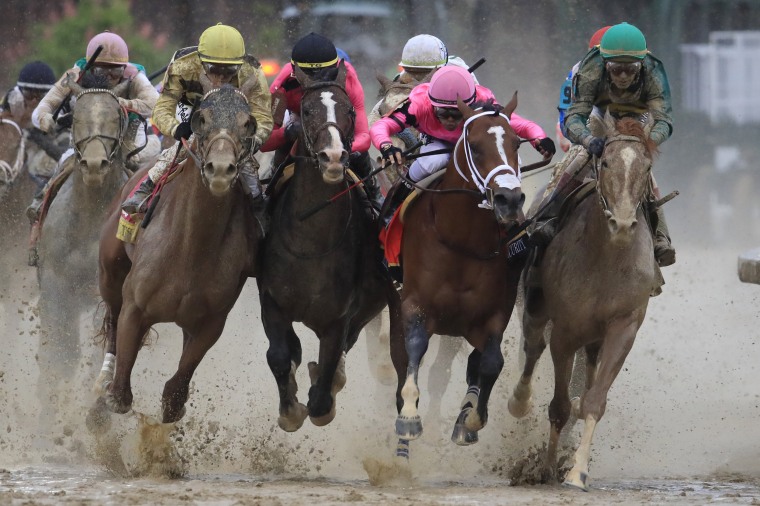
column 624, row 169
column 99, row 117
column 223, row 126
column 327, row 117
column 487, row 153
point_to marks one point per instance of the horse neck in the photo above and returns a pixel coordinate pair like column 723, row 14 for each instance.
column 458, row 214
column 9, row 143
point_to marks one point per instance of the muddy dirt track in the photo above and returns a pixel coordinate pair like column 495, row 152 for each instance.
column 680, row 427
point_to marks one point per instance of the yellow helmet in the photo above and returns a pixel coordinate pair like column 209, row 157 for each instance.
column 221, row 44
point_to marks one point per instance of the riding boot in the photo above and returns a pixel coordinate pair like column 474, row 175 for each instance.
column 136, row 202
column 249, row 174
column 33, row 211
column 546, row 224
column 396, row 196
column 361, row 164
column 664, row 252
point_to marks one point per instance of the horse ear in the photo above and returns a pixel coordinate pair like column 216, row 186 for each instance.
column 249, row 85
column 511, row 106
column 197, row 121
column 72, row 84
column 301, row 76
column 385, row 83
column 427, row 77
column 342, row 70
column 465, row 109
column 206, row 83
column 609, row 122
column 122, row 89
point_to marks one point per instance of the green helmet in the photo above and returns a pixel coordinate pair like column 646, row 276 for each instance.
column 623, row 41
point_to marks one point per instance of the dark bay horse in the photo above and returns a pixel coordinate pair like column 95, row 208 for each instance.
column 323, row 270
column 68, row 247
column 593, row 283
column 459, row 279
column 190, row 264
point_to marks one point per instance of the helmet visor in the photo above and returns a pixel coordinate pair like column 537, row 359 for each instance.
column 220, row 69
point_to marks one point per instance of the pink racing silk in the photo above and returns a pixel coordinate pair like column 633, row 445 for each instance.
column 420, row 114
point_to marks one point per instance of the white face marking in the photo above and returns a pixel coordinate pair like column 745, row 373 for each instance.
column 329, row 103
column 336, row 147
column 498, row 132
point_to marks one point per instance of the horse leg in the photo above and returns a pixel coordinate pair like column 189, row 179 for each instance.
column 98, row 418
column 328, row 376
column 283, row 357
column 377, row 356
column 399, row 358
column 559, row 407
column 131, row 329
column 462, row 435
column 590, row 357
column 194, row 347
column 520, row 403
column 408, row 423
column 617, row 344
column 440, row 374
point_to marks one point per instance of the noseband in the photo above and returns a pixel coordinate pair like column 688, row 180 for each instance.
column 348, row 137
column 81, row 143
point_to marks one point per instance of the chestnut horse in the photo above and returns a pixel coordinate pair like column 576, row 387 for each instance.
column 191, row 263
column 460, row 276
column 594, row 290
column 323, row 269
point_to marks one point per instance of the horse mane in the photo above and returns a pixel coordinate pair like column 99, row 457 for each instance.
column 91, row 81
column 487, row 105
column 634, row 128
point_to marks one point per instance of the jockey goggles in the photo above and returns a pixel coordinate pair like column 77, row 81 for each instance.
column 618, row 69
column 108, row 71
column 220, row 69
column 30, row 94
column 447, row 113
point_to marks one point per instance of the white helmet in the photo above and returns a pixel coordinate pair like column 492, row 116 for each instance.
column 424, row 52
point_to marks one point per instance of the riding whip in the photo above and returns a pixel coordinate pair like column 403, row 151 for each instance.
column 314, row 210
column 87, row 66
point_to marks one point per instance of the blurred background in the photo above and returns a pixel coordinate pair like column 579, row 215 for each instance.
column 710, row 48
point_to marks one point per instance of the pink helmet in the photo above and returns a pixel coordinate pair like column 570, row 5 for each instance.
column 114, row 49
column 450, row 82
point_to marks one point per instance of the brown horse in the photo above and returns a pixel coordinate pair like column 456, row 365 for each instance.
column 459, row 279
column 191, row 263
column 325, row 269
column 594, row 290
column 11, row 154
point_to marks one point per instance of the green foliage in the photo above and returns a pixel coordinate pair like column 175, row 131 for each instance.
column 63, row 43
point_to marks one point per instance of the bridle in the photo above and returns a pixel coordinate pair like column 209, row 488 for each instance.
column 597, row 168
column 241, row 149
column 347, row 136
column 80, row 144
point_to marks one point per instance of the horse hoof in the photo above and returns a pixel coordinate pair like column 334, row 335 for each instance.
column 98, row 419
column 172, row 418
column 408, row 427
column 463, row 437
column 293, row 420
column 519, row 409
column 576, row 479
column 321, row 421
column 116, row 406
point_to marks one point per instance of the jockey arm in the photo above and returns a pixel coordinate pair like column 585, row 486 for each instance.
column 361, row 125
column 260, row 103
column 42, row 116
column 142, row 96
column 527, row 129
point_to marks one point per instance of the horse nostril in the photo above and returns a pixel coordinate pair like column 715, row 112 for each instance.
column 323, row 157
column 613, row 224
column 633, row 224
column 231, row 168
column 343, row 157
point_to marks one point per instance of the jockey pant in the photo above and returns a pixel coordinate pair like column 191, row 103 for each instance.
column 424, row 166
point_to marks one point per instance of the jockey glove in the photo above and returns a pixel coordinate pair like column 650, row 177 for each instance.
column 391, row 153
column 65, row 120
column 293, row 130
column 546, row 147
column 595, row 146
column 183, row 131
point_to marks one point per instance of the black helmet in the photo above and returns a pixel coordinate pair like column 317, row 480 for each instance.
column 314, row 51
column 36, row 76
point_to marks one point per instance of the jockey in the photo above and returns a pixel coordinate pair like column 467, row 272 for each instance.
column 113, row 65
column 432, row 109
column 221, row 57
column 316, row 56
column 42, row 154
column 620, row 77
column 566, row 95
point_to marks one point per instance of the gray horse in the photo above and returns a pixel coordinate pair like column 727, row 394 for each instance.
column 68, row 247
